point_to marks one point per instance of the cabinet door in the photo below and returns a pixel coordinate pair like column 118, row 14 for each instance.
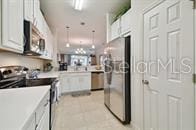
column 126, row 22
column 12, row 25
column 81, row 81
column 39, row 20
column 85, row 82
column 44, row 122
column 65, row 83
column 74, row 83
column 115, row 29
column 36, row 11
column 28, row 10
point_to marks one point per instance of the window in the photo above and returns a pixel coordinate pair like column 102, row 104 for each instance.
column 79, row 60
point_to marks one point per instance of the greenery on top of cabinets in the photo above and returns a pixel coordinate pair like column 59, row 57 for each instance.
column 121, row 12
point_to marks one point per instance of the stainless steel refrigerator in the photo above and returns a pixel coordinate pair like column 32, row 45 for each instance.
column 117, row 79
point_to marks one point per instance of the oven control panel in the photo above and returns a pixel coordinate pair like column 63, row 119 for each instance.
column 11, row 71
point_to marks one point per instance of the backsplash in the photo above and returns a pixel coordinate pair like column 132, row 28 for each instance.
column 7, row 59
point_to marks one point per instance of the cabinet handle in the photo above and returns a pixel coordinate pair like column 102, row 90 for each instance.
column 46, row 103
column 36, row 126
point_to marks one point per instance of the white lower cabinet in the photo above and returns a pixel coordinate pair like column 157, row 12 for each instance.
column 40, row 118
column 31, row 125
column 44, row 122
column 65, row 83
column 73, row 82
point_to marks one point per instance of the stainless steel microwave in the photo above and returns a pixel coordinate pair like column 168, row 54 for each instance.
column 34, row 44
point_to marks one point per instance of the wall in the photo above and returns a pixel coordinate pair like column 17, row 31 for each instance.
column 55, row 50
column 137, row 54
column 99, row 51
column 7, row 58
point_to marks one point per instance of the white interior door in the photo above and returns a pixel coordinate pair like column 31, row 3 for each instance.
column 168, row 96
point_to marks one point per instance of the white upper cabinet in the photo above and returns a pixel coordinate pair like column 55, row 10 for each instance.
column 36, row 12
column 120, row 27
column 115, row 29
column 126, row 22
column 29, row 10
column 12, row 25
column 40, row 23
column 32, row 12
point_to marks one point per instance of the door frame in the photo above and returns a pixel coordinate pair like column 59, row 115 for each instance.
column 195, row 55
column 147, row 9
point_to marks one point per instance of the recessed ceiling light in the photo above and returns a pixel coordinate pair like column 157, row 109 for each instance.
column 82, row 23
column 78, row 4
column 93, row 46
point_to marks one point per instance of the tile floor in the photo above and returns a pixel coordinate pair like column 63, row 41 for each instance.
column 85, row 113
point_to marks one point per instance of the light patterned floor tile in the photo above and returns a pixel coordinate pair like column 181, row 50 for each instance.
column 85, row 113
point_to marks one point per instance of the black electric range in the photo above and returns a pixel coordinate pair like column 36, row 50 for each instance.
column 15, row 77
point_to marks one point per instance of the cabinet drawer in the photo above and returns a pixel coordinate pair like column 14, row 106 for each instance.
column 44, row 121
column 30, row 125
column 42, row 106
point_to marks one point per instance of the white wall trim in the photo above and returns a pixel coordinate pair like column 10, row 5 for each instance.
column 153, row 5
column 195, row 59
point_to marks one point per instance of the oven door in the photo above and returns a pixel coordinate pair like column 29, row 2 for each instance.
column 12, row 83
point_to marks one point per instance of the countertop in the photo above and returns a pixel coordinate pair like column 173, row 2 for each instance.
column 88, row 71
column 55, row 74
column 52, row 74
column 18, row 105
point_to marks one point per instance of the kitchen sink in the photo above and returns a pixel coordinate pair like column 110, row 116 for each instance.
column 39, row 82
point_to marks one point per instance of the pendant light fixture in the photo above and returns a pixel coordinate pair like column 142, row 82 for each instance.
column 78, row 4
column 80, row 50
column 67, row 44
column 93, row 40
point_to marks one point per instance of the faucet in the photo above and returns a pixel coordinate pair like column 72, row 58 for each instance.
column 33, row 74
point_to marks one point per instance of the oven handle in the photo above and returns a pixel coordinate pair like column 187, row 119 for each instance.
column 10, row 85
column 47, row 102
column 55, row 82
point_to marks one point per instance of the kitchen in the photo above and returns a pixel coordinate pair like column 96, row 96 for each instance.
column 69, row 65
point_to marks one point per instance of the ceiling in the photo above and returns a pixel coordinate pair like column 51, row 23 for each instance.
column 61, row 13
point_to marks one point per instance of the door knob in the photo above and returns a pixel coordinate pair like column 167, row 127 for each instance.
column 145, row 82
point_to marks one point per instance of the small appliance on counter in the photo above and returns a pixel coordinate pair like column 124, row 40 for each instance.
column 62, row 66
column 48, row 67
